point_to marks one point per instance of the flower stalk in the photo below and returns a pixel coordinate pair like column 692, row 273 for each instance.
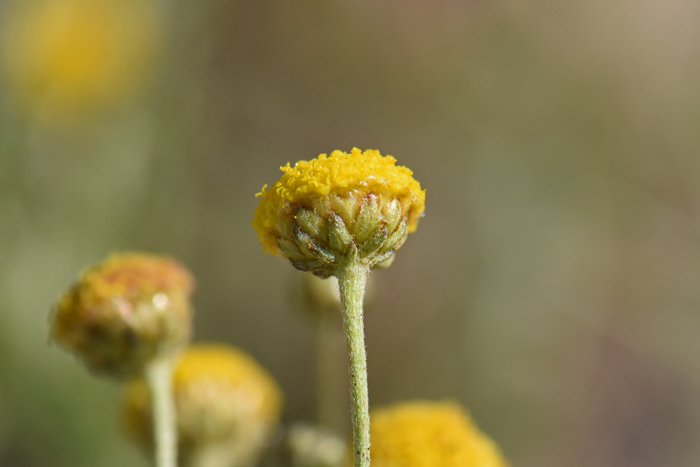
column 128, row 317
column 352, row 278
column 342, row 215
column 159, row 380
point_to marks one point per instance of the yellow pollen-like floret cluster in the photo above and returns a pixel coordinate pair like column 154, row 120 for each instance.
column 131, row 277
column 225, row 365
column 340, row 173
column 124, row 309
column 430, row 434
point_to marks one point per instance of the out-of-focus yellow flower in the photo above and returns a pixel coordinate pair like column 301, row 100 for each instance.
column 320, row 210
column 66, row 58
column 430, row 434
column 228, row 406
column 124, row 312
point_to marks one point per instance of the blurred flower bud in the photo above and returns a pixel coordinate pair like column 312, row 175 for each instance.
column 125, row 312
column 227, row 406
column 429, row 434
column 321, row 296
column 311, row 446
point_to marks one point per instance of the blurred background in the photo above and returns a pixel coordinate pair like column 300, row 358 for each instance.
column 553, row 286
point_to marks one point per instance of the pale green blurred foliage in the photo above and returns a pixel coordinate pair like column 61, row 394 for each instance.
column 553, row 286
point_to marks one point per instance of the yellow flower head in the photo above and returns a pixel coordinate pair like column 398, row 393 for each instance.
column 67, row 57
column 360, row 200
column 124, row 312
column 430, row 434
column 227, row 407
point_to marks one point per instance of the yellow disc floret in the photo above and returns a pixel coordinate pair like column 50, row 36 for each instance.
column 232, row 368
column 131, row 276
column 356, row 174
column 430, row 434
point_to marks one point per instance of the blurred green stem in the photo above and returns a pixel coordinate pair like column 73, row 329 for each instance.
column 352, row 278
column 326, row 398
column 159, row 378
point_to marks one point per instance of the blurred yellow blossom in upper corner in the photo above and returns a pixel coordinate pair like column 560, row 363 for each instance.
column 64, row 59
column 430, row 434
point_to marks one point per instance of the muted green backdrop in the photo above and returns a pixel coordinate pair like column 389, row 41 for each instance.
column 553, row 286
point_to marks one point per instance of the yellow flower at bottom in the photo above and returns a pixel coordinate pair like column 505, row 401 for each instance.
column 227, row 407
column 429, row 434
column 332, row 206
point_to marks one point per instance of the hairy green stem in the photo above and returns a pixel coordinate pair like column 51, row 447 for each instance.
column 159, row 378
column 352, row 277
